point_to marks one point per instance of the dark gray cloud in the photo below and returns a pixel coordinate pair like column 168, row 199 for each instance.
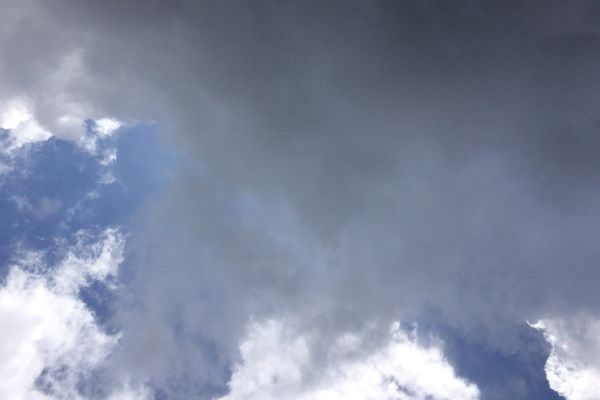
column 349, row 161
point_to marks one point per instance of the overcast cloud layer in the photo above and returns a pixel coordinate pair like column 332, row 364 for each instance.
column 341, row 166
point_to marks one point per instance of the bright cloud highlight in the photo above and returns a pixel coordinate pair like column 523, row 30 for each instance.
column 278, row 363
column 49, row 339
column 573, row 368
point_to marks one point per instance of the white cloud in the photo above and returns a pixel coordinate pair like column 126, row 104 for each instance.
column 277, row 363
column 85, row 262
column 573, row 367
column 13, row 115
column 131, row 393
column 49, row 339
column 108, row 157
column 22, row 127
column 107, row 126
column 44, row 329
column 102, row 128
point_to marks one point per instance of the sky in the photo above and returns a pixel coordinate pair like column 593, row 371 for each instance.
column 309, row 200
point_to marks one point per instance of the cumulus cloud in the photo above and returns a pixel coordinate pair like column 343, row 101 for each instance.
column 573, row 368
column 21, row 126
column 50, row 340
column 19, row 130
column 277, row 363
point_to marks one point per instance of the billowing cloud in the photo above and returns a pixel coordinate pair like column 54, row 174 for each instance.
column 573, row 368
column 277, row 363
column 50, row 340
column 21, row 126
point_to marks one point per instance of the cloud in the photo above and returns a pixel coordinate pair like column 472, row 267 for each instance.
column 442, row 159
column 101, row 129
column 23, row 128
column 50, row 340
column 573, row 369
column 278, row 363
column 128, row 393
column 45, row 207
column 19, row 131
column 344, row 162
